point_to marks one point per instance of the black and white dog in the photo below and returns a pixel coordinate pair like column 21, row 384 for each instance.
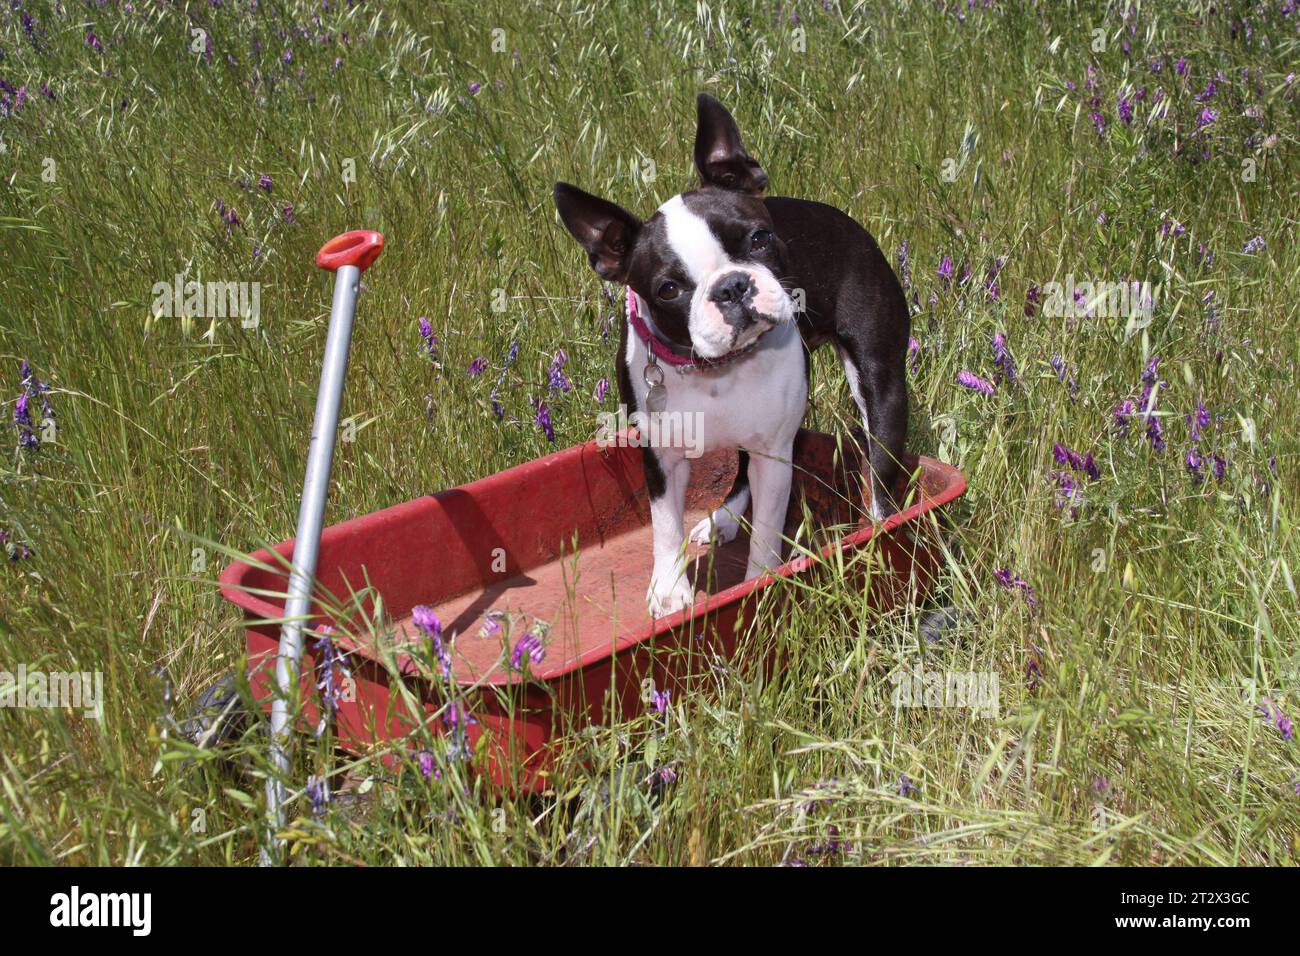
column 714, row 283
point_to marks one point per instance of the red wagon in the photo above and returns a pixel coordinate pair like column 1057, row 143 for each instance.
column 563, row 541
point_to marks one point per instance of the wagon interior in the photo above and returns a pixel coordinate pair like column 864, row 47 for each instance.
column 561, row 545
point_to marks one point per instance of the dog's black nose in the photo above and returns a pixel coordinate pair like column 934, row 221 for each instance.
column 733, row 287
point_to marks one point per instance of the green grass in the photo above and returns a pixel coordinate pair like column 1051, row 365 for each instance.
column 1166, row 609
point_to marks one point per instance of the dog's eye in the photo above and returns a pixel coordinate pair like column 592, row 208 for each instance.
column 759, row 240
column 669, row 291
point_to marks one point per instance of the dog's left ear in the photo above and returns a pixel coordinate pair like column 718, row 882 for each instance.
column 720, row 155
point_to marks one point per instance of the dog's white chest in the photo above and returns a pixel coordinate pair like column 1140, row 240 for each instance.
column 755, row 402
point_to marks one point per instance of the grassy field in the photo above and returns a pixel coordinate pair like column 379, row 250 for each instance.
column 1138, row 608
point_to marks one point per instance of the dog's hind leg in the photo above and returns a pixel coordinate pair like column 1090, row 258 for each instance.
column 881, row 397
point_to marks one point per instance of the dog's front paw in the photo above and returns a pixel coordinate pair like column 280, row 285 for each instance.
column 722, row 524
column 663, row 600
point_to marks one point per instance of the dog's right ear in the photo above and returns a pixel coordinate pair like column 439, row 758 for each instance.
column 720, row 155
column 608, row 232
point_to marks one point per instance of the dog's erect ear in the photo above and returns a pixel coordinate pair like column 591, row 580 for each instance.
column 720, row 156
column 608, row 232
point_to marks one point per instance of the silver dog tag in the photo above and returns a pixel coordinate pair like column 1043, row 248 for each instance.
column 656, row 399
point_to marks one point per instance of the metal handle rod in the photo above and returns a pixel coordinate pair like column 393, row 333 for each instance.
column 346, row 255
column 306, row 546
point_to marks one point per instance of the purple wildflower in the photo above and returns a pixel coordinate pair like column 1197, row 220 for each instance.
column 1194, row 461
column 1125, row 111
column 528, row 649
column 1254, row 245
column 559, row 382
column 1016, row 583
column 32, row 387
column 1123, row 412
column 332, row 666
column 1151, row 382
column 1032, row 673
column 1155, row 433
column 30, row 27
column 975, row 383
column 318, row 791
column 904, row 271
column 427, row 770
column 492, row 623
column 1084, row 464
column 27, row 437
column 1199, row 421
column 287, row 212
column 424, row 618
column 1277, row 718
column 428, row 336
column 542, row 418
column 913, row 354
column 1151, row 373
column 1067, row 492
column 906, row 788
column 474, row 87
column 1032, row 297
column 660, row 700
column 1081, row 306
column 1006, row 365
column 1090, row 467
column 945, row 269
column 1065, row 373
column 264, row 182
column 458, row 721
column 93, row 41
column 477, row 366
column 1219, row 468
column 11, row 549
column 1181, row 66
column 601, row 388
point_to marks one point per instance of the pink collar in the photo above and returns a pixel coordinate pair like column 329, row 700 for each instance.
column 667, row 353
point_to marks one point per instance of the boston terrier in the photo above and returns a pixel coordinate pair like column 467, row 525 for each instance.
column 727, row 294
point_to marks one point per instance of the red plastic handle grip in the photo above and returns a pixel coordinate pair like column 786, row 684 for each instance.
column 360, row 248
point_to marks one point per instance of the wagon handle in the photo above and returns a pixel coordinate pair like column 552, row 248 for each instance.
column 360, row 248
column 347, row 256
